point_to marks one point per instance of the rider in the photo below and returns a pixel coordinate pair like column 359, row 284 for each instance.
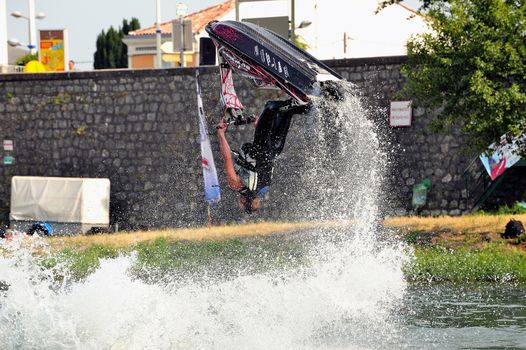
column 250, row 170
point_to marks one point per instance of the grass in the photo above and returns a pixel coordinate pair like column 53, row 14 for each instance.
column 217, row 250
column 446, row 249
column 477, row 223
column 492, row 264
column 127, row 239
column 517, row 208
column 466, row 249
column 162, row 258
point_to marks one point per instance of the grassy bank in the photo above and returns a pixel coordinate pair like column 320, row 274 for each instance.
column 445, row 249
column 466, row 249
column 494, row 263
column 214, row 251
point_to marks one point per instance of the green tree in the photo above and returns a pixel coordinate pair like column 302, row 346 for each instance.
column 472, row 68
column 111, row 51
column 425, row 3
column 23, row 60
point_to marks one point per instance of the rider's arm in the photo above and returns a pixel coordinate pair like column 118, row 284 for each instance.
column 234, row 181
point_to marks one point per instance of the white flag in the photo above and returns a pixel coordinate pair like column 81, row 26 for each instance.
column 212, row 192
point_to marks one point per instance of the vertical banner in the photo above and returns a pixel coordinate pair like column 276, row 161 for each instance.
column 503, row 156
column 53, row 49
column 212, row 192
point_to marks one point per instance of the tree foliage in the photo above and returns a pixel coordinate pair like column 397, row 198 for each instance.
column 425, row 3
column 23, row 60
column 111, row 51
column 472, row 68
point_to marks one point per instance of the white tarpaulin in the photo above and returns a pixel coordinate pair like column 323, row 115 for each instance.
column 60, row 199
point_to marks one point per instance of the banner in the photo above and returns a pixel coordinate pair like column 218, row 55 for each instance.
column 53, row 53
column 212, row 191
column 503, row 156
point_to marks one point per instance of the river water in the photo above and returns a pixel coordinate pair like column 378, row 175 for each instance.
column 469, row 317
column 349, row 292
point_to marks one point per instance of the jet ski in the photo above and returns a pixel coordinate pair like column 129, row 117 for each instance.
column 269, row 59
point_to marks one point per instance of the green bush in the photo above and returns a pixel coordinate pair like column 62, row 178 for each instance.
column 517, row 209
column 492, row 264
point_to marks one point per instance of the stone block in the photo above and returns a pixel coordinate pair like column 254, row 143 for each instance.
column 447, row 178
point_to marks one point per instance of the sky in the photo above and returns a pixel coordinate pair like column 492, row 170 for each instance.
column 84, row 20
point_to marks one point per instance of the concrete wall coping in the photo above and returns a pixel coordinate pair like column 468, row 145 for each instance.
column 128, row 73
column 365, row 61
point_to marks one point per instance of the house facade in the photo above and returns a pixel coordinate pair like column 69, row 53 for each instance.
column 141, row 43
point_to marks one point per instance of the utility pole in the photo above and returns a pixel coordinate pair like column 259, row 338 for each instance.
column 180, row 11
column 3, row 34
column 181, row 22
column 158, row 58
column 32, row 45
column 292, row 20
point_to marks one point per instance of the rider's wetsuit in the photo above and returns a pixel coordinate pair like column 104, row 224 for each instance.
column 255, row 161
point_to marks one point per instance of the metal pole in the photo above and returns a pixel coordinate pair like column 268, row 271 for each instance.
column 158, row 61
column 181, row 22
column 237, row 10
column 292, row 20
column 209, row 218
column 32, row 28
column 3, row 34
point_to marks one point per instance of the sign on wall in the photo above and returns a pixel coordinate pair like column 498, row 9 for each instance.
column 8, row 145
column 8, row 160
column 400, row 114
column 53, row 49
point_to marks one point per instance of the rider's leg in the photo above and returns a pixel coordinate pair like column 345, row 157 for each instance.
column 272, row 127
column 279, row 132
column 280, row 127
column 263, row 134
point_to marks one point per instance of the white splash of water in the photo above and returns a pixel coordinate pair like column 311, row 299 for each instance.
column 347, row 298
column 344, row 299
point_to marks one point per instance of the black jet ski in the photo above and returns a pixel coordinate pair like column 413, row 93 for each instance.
column 269, row 59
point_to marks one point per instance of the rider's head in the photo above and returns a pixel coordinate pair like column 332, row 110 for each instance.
column 249, row 205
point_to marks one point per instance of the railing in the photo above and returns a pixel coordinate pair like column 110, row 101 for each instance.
column 7, row 69
column 477, row 183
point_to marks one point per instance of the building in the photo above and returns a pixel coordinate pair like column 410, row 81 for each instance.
column 142, row 42
column 356, row 31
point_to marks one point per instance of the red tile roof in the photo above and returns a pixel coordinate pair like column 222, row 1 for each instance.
column 199, row 19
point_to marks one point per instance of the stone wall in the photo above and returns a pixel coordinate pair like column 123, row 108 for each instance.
column 136, row 127
column 415, row 153
column 139, row 129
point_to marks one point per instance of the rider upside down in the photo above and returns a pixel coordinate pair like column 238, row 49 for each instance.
column 249, row 49
column 249, row 170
